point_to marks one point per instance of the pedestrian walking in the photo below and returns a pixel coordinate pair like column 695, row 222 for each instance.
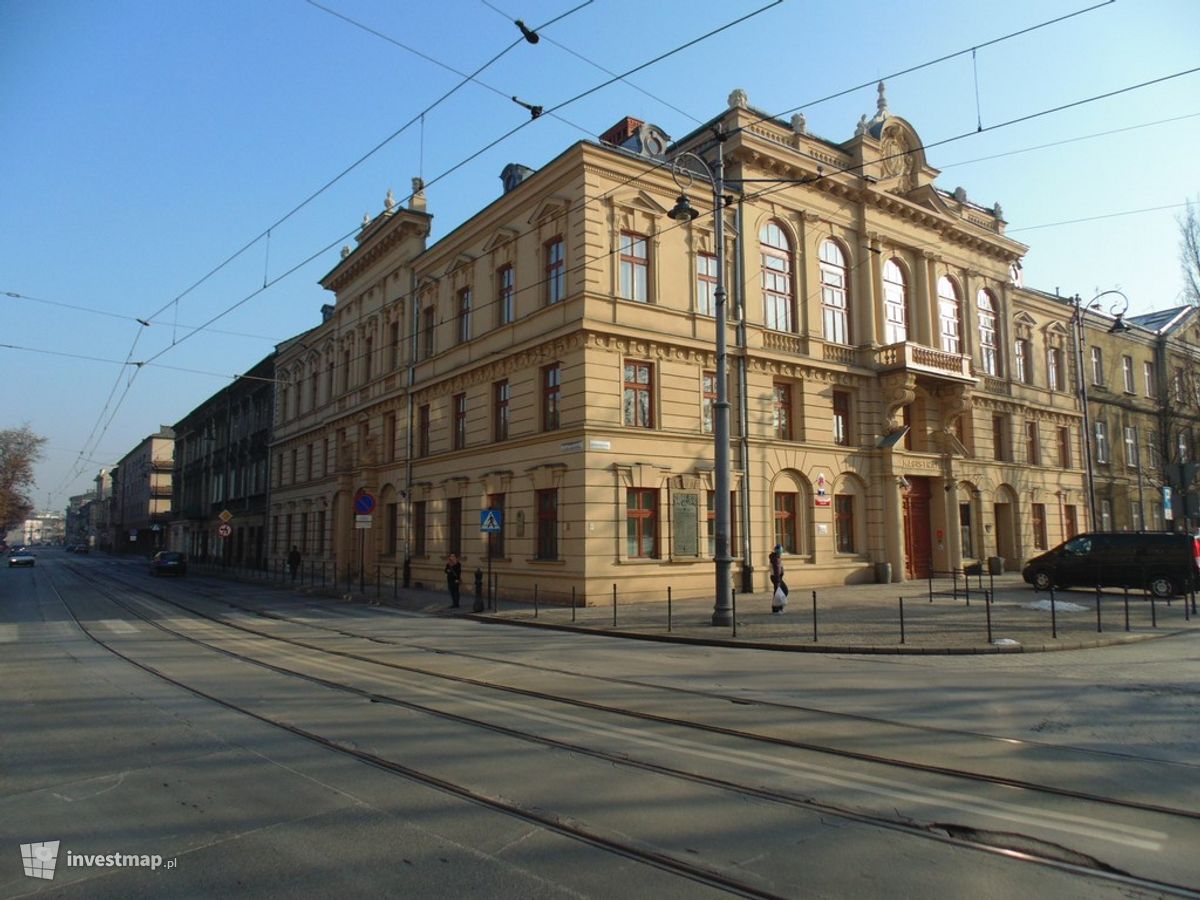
column 779, row 588
column 293, row 561
column 453, row 577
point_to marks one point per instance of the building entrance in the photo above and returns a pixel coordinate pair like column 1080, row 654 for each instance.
column 917, row 548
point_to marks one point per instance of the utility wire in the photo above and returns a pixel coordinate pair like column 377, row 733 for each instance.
column 134, row 364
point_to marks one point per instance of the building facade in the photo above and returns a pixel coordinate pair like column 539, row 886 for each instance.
column 222, row 462
column 141, row 507
column 900, row 404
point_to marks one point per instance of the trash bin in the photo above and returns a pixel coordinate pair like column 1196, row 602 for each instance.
column 995, row 565
column 883, row 573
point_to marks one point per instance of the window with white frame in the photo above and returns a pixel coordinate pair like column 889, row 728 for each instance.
column 1131, row 446
column 1101, row 432
column 1149, row 379
column 1183, row 446
column 1135, row 514
column 1105, row 514
column 1023, row 360
column 949, row 315
column 989, row 356
column 1097, row 365
column 706, row 284
column 1127, row 374
column 1153, row 457
column 776, row 252
column 635, row 267
column 1055, row 373
column 895, row 303
column 834, row 311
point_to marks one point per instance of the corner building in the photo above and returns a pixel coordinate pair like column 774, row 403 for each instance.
column 899, row 404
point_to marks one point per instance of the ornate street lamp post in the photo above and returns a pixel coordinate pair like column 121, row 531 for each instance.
column 683, row 212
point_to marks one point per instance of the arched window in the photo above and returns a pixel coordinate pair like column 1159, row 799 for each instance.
column 949, row 315
column 833, row 294
column 776, row 277
column 895, row 303
column 989, row 356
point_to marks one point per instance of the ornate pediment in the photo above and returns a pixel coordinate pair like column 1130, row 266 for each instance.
column 500, row 238
column 549, row 209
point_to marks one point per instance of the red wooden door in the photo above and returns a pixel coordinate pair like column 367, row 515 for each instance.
column 918, row 551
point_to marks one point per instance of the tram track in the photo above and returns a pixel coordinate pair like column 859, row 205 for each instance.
column 1010, row 845
column 773, row 740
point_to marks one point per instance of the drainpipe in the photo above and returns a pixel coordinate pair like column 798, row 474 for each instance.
column 408, row 452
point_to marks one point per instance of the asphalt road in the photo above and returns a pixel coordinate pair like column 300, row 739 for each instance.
column 261, row 743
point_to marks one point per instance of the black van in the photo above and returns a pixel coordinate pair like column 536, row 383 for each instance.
column 1165, row 563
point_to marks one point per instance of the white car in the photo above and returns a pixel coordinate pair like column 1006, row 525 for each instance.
column 20, row 558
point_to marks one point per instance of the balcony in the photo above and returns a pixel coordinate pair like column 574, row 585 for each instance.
column 924, row 361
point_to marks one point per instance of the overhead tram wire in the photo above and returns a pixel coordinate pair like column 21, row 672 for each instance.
column 474, row 156
column 135, row 364
column 354, row 165
column 597, row 65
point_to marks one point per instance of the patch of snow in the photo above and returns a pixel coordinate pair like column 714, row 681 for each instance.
column 1006, row 642
column 1059, row 606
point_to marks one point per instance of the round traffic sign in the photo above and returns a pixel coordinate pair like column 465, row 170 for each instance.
column 364, row 503
column 224, row 530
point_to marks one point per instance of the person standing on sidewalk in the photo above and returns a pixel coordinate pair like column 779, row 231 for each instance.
column 453, row 577
column 293, row 561
column 779, row 588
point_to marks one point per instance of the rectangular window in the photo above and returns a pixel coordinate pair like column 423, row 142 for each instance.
column 295, row 473
column 1177, row 385
column 1183, row 446
column 1153, row 457
column 428, row 325
column 708, row 396
column 1135, row 515
column 1131, row 447
column 368, row 359
column 706, row 284
column 501, row 394
column 423, row 431
column 843, row 522
column 464, row 315
column 1070, row 522
column 841, row 418
column 419, row 529
column 781, row 412
column 454, row 526
column 1127, row 374
column 303, row 541
column 1097, row 366
column 308, row 462
column 641, row 523
column 964, row 530
column 328, row 455
column 496, row 538
column 635, row 267
column 1064, row 447
column 459, row 403
column 555, row 271
column 547, row 528
column 551, row 387
column 319, row 537
column 1039, row 526
column 504, row 294
column 1054, row 369
column 1149, row 379
column 785, row 521
column 999, row 439
column 1106, row 515
column 1157, row 522
column 389, row 437
column 639, row 395
column 1023, row 357
column 394, row 345
column 1033, row 450
column 1101, row 431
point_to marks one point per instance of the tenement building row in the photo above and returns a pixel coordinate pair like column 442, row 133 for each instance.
column 900, row 404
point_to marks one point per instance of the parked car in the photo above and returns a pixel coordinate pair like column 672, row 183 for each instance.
column 20, row 557
column 168, row 562
column 1164, row 563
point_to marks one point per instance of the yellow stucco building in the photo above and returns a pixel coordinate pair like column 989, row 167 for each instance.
column 899, row 403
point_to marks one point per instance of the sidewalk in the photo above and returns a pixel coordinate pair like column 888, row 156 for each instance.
column 853, row 618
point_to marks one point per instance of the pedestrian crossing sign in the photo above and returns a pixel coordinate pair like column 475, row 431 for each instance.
column 491, row 520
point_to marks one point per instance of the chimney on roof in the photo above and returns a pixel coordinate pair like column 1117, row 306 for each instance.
column 513, row 174
column 622, row 131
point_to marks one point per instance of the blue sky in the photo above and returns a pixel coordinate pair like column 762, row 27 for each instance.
column 146, row 142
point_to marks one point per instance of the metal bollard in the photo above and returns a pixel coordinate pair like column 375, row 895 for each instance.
column 395, row 582
column 668, row 608
column 901, row 599
column 814, row 599
column 931, row 584
column 1126, row 607
column 1053, row 616
column 572, row 603
column 1099, row 627
column 614, row 606
column 733, row 599
column 478, row 605
column 1153, row 613
column 987, row 602
column 496, row 591
column 535, row 601
column 378, row 582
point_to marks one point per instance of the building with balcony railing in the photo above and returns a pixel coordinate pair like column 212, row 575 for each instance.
column 141, row 507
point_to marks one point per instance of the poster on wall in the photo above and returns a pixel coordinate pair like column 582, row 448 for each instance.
column 821, row 498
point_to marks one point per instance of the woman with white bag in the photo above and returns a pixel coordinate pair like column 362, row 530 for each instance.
column 779, row 587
